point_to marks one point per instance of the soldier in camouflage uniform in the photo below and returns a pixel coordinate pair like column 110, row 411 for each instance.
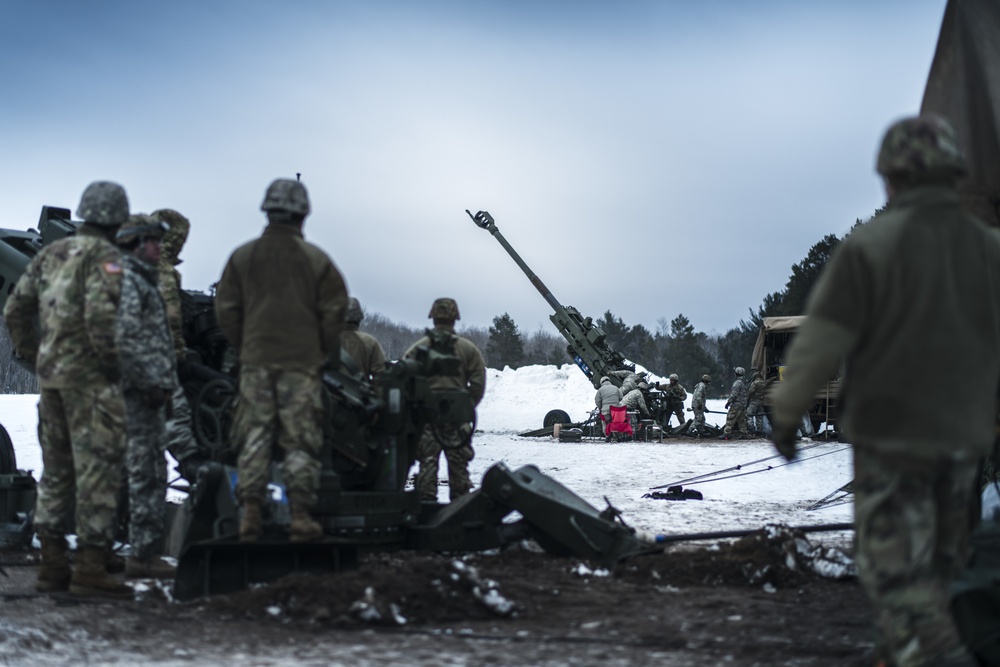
column 630, row 380
column 675, row 395
column 363, row 348
column 181, row 442
column 281, row 303
column 755, row 403
column 698, row 406
column 634, row 400
column 149, row 378
column 920, row 282
column 736, row 418
column 456, row 442
column 72, row 288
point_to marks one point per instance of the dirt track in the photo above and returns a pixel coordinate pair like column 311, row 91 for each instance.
column 738, row 604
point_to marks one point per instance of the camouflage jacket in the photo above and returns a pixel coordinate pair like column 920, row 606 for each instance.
column 629, row 380
column 145, row 345
column 698, row 396
column 72, row 287
column 756, row 391
column 364, row 349
column 738, row 394
column 281, row 301
column 170, row 281
column 473, row 376
column 674, row 391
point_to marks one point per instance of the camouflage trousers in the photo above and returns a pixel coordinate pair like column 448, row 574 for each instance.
column 458, row 457
column 736, row 420
column 699, row 422
column 82, row 434
column 147, row 475
column 180, row 439
column 285, row 408
column 676, row 409
column 755, row 416
column 913, row 521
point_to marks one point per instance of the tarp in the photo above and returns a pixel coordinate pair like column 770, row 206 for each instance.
column 772, row 325
column 964, row 87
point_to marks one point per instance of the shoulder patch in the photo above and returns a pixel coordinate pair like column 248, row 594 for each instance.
column 112, row 267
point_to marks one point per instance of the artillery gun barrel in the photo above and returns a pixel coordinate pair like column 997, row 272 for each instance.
column 485, row 221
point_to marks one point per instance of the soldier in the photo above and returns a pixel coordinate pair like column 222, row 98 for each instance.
column 457, row 440
column 920, row 282
column 180, row 439
column 362, row 347
column 149, row 378
column 607, row 395
column 634, row 400
column 630, row 380
column 698, row 406
column 72, row 289
column 737, row 406
column 281, row 303
column 676, row 395
column 755, row 403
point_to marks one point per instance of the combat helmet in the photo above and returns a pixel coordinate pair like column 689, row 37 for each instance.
column 444, row 309
column 140, row 226
column 103, row 203
column 739, row 370
column 176, row 236
column 922, row 146
column 706, row 378
column 354, row 314
column 673, row 376
column 287, row 195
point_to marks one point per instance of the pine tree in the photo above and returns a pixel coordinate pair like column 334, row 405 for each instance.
column 506, row 345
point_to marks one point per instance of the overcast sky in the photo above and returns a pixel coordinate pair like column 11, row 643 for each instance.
column 652, row 158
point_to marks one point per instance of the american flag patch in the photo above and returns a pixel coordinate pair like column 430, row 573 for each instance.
column 112, row 267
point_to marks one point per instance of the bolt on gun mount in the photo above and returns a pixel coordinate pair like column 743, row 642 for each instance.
column 587, row 345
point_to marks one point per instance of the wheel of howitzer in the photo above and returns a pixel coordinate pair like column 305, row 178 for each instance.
column 553, row 417
column 212, row 415
column 8, row 462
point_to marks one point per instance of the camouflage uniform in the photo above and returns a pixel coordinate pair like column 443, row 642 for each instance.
column 630, row 380
column 755, row 404
column 149, row 376
column 73, row 287
column 635, row 401
column 450, row 439
column 676, row 395
column 698, row 406
column 281, row 303
column 180, row 438
column 922, row 282
column 736, row 418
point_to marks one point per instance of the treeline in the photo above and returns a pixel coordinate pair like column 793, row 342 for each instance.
column 675, row 346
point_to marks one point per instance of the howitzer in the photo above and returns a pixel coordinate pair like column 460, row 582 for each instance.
column 587, row 344
column 371, row 432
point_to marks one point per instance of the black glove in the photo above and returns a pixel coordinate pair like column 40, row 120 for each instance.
column 783, row 436
column 727, row 405
column 155, row 398
column 189, row 467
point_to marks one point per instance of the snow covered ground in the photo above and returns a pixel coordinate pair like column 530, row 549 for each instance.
column 517, row 400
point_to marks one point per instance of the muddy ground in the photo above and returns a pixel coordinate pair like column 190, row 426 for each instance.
column 754, row 601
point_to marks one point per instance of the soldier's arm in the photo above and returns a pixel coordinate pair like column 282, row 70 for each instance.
column 229, row 305
column 170, row 290
column 332, row 304
column 132, row 339
column 21, row 313
column 102, row 294
column 476, row 374
column 377, row 358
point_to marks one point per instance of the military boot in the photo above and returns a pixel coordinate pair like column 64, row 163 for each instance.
column 114, row 562
column 250, row 528
column 152, row 567
column 91, row 578
column 54, row 574
column 304, row 528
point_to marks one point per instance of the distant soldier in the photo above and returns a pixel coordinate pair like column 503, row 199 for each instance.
column 149, row 378
column 920, row 282
column 675, row 395
column 363, row 348
column 181, row 442
column 634, row 400
column 72, row 289
column 456, row 442
column 755, row 403
column 608, row 395
column 698, row 397
column 736, row 418
column 630, row 380
column 281, row 303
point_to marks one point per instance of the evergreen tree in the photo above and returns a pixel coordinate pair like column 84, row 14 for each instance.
column 506, row 345
column 805, row 274
column 685, row 354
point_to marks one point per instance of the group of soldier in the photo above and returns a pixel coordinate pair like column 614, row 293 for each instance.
column 745, row 405
column 97, row 316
